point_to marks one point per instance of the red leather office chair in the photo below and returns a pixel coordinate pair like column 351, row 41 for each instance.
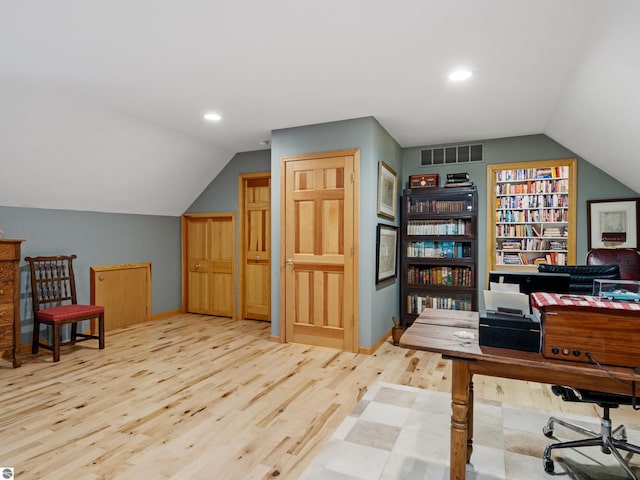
column 627, row 258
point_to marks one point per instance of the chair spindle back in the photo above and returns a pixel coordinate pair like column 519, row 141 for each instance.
column 52, row 281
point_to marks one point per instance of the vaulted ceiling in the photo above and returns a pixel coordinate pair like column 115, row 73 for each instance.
column 101, row 102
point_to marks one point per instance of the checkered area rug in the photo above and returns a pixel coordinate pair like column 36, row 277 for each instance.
column 400, row 432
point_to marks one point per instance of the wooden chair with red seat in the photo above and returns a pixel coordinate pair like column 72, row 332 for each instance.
column 53, row 289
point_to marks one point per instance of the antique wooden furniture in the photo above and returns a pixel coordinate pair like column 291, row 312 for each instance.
column 10, row 297
column 590, row 329
column 438, row 250
column 53, row 289
column 584, row 328
column 439, row 331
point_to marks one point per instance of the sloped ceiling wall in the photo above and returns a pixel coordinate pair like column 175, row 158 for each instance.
column 59, row 153
column 598, row 114
column 101, row 102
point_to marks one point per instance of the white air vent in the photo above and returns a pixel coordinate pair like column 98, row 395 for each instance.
column 452, row 154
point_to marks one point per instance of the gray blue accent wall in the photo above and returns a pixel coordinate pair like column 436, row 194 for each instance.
column 97, row 239
column 376, row 304
column 113, row 239
column 592, row 183
column 221, row 195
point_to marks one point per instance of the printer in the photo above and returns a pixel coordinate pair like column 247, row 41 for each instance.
column 507, row 322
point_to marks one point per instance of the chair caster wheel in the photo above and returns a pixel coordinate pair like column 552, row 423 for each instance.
column 621, row 434
column 548, row 432
column 548, row 466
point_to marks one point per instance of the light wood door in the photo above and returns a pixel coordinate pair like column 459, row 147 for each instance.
column 125, row 293
column 318, row 252
column 209, row 271
column 255, row 273
column 198, row 246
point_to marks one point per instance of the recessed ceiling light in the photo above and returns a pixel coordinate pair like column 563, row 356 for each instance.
column 212, row 117
column 459, row 75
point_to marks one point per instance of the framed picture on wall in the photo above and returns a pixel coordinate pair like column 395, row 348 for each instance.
column 613, row 223
column 387, row 252
column 387, row 191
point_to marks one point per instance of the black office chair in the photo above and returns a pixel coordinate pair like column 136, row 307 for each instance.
column 582, row 276
column 610, row 441
column 581, row 283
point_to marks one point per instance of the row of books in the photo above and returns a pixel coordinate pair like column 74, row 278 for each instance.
column 520, row 258
column 417, row 303
column 439, row 206
column 520, row 174
column 528, row 230
column 533, row 186
column 533, row 216
column 439, row 249
column 450, row 276
column 438, row 227
column 542, row 200
column 531, row 245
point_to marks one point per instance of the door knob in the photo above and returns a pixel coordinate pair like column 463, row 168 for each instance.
column 289, row 261
column 256, row 258
column 197, row 265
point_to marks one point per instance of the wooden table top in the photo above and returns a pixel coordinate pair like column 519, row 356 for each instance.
column 454, row 334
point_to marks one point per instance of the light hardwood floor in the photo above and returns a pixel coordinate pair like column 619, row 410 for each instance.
column 198, row 397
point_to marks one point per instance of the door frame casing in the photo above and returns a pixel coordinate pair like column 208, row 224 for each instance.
column 242, row 257
column 355, row 152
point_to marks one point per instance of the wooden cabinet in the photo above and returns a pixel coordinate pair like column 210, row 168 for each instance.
column 10, row 297
column 438, row 250
column 531, row 214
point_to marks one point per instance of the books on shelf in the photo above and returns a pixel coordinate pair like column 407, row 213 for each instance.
column 533, row 173
column 458, row 180
column 554, row 232
column 511, row 259
column 446, row 275
column 457, row 177
column 417, row 303
column 459, row 184
column 438, row 248
column 428, row 249
column 439, row 227
column 506, row 245
column 439, row 206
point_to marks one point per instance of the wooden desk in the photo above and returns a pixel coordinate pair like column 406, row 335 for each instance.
column 435, row 331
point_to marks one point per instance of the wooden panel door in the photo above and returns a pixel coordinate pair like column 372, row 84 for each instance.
column 255, row 275
column 125, row 293
column 198, row 253
column 208, row 263
column 223, row 249
column 318, row 249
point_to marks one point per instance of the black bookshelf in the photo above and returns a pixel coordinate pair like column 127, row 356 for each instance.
column 438, row 250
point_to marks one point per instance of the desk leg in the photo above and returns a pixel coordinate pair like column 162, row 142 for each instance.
column 461, row 419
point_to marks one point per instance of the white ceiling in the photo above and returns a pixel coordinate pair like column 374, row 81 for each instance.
column 114, row 90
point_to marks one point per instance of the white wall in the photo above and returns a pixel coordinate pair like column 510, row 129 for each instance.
column 57, row 152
